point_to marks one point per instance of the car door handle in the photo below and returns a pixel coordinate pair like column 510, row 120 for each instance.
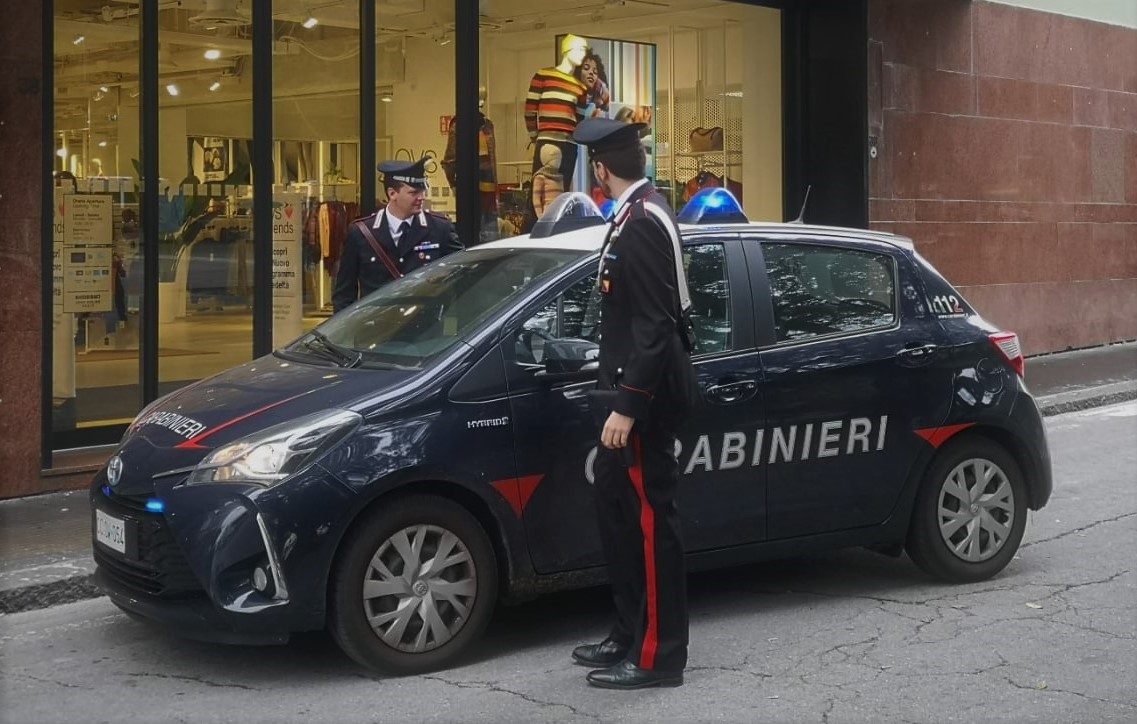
column 731, row 392
column 917, row 354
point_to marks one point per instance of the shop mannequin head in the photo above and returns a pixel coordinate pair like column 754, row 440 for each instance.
column 573, row 49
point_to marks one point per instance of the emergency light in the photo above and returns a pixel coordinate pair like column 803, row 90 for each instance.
column 568, row 212
column 713, row 206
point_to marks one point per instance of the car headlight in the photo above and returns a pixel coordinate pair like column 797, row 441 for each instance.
column 271, row 455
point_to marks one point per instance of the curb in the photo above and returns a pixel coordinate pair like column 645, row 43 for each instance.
column 1061, row 403
column 83, row 587
column 45, row 595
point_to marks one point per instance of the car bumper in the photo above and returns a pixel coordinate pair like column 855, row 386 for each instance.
column 191, row 567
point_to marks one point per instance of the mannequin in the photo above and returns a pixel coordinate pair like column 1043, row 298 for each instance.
column 553, row 106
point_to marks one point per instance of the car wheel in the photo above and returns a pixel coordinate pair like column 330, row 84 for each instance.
column 413, row 587
column 970, row 512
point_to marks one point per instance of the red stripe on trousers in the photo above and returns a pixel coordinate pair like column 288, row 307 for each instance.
column 647, row 525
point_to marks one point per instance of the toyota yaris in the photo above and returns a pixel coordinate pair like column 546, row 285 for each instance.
column 395, row 473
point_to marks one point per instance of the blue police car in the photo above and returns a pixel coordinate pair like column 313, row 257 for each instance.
column 393, row 474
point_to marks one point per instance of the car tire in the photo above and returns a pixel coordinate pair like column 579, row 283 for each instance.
column 425, row 618
column 963, row 530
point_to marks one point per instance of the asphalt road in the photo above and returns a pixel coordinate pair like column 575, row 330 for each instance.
column 851, row 636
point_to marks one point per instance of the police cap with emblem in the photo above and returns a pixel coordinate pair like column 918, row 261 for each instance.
column 607, row 134
column 407, row 172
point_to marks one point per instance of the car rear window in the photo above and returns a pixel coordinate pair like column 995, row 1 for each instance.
column 823, row 290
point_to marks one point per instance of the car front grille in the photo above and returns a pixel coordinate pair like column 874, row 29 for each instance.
column 161, row 569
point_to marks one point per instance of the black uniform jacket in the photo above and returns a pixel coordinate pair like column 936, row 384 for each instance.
column 641, row 351
column 362, row 271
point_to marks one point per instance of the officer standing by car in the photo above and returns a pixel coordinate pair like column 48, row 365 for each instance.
column 394, row 241
column 646, row 381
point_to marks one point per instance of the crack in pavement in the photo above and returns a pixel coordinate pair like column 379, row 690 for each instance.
column 57, row 683
column 1046, row 688
column 496, row 687
column 195, row 679
column 1081, row 529
column 732, row 669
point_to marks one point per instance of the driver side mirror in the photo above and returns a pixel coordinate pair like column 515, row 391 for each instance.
column 569, row 360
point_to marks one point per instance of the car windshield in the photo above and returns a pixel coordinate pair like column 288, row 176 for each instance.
column 409, row 321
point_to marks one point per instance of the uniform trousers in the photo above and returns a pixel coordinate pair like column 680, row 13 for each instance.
column 639, row 531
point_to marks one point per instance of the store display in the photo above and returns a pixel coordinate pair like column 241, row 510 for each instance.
column 706, row 139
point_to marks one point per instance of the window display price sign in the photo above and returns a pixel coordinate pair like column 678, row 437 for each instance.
column 287, row 267
column 88, row 227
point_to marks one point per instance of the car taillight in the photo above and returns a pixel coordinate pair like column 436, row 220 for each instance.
column 1008, row 345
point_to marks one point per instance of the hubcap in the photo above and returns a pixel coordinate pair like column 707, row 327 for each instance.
column 976, row 510
column 419, row 588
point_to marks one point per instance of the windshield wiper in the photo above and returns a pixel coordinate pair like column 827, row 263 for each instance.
column 330, row 350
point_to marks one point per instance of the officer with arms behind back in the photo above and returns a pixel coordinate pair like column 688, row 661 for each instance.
column 646, row 387
column 394, row 241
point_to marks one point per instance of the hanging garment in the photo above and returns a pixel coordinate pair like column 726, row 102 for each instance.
column 487, row 162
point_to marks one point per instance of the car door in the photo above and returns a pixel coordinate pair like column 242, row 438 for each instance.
column 851, row 370
column 722, row 499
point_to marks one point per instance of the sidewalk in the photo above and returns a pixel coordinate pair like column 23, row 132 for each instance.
column 45, row 540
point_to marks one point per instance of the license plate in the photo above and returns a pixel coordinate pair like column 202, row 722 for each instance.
column 110, row 531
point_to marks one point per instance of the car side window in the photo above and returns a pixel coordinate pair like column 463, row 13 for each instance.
column 823, row 290
column 710, row 297
column 572, row 318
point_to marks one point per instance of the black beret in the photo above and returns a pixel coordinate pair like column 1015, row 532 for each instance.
column 606, row 134
column 412, row 173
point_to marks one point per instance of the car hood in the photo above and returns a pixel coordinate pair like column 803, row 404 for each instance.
column 251, row 397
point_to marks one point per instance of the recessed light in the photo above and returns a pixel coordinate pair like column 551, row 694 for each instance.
column 212, row 54
column 172, row 89
column 215, row 85
column 310, row 23
column 78, row 39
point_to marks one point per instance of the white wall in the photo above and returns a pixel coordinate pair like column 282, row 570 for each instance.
column 1114, row 12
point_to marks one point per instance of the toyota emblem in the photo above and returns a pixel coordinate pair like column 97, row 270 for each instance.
column 114, row 470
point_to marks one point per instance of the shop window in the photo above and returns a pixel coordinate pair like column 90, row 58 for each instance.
column 316, row 192
column 704, row 77
column 97, row 271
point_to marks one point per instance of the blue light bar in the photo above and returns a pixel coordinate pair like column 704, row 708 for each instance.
column 155, row 506
column 713, row 206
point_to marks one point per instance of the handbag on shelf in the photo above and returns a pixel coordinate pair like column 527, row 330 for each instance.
column 706, row 139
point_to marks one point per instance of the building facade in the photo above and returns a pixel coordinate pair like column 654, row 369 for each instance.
column 1001, row 138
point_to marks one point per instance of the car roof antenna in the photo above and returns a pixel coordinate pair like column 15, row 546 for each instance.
column 801, row 217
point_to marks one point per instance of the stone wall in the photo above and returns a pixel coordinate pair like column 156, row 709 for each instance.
column 21, row 47
column 1007, row 149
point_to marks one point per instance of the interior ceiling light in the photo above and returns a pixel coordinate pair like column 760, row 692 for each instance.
column 78, row 39
column 212, row 54
column 172, row 89
column 104, row 89
column 310, row 23
column 102, row 144
column 215, row 85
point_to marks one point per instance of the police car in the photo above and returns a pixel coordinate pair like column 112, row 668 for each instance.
column 393, row 474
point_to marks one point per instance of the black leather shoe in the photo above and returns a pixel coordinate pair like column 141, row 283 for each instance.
column 626, row 675
column 605, row 653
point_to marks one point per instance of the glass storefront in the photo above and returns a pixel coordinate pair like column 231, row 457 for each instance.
column 692, row 70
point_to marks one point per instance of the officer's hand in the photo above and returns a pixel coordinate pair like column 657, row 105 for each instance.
column 617, row 428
